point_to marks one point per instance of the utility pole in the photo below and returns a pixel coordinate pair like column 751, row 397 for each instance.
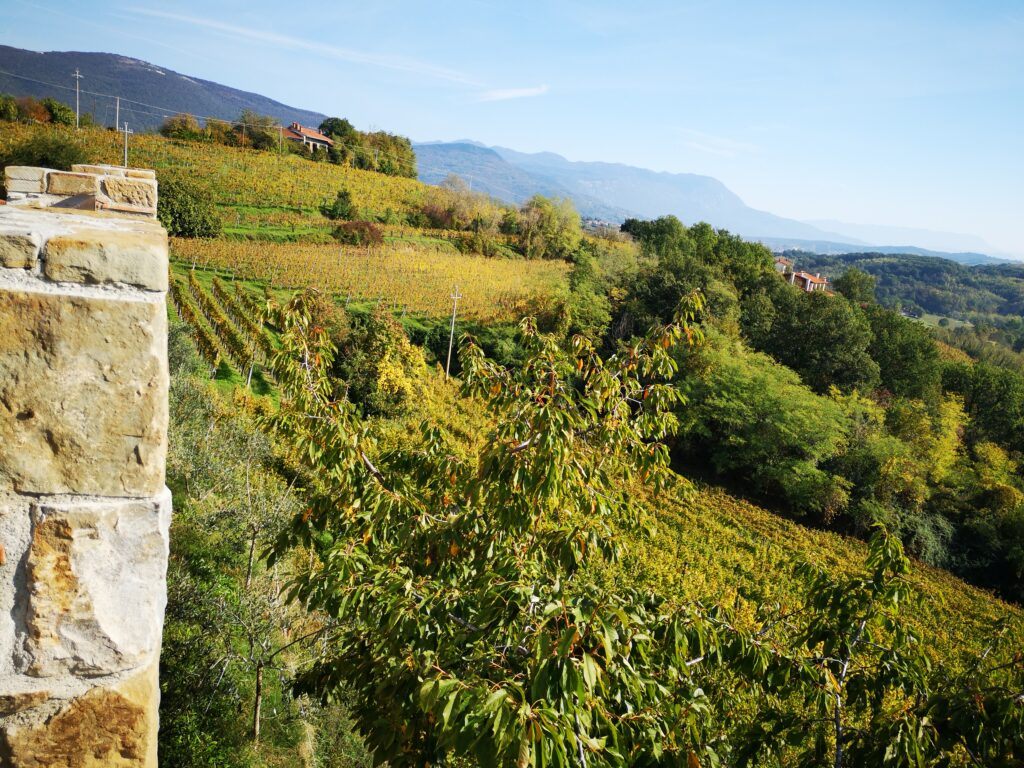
column 451, row 336
column 77, row 78
column 126, row 131
column 117, row 111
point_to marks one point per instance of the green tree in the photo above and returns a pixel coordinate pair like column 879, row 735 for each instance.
column 856, row 285
column 823, row 337
column 181, row 126
column 60, row 113
column 497, row 646
column 549, row 229
column 257, row 131
column 752, row 419
column 186, row 211
column 906, row 353
column 341, row 207
column 8, row 108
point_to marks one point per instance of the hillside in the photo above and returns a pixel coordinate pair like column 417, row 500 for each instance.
column 487, row 171
column 149, row 93
column 942, row 286
column 703, row 542
column 244, row 469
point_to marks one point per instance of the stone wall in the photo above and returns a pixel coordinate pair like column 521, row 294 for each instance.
column 109, row 188
column 84, row 514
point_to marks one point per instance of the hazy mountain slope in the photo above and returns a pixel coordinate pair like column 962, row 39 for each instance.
column 829, row 248
column 486, row 171
column 689, row 196
column 922, row 238
column 136, row 80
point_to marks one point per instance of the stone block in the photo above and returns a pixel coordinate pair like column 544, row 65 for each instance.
column 83, row 394
column 133, row 257
column 25, row 173
column 113, row 725
column 98, row 170
column 139, row 173
column 95, row 582
column 25, row 186
column 138, row 192
column 65, row 183
column 18, row 250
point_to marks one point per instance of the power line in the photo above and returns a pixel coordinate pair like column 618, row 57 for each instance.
column 165, row 112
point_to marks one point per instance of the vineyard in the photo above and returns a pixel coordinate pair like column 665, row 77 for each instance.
column 251, row 188
column 227, row 326
column 408, row 277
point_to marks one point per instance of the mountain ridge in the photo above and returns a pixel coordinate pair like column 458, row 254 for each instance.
column 149, row 93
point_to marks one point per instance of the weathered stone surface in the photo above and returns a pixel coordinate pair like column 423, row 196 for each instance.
column 98, row 256
column 15, row 535
column 65, row 183
column 111, row 726
column 140, row 192
column 139, row 173
column 23, row 178
column 95, row 576
column 18, row 249
column 24, row 186
column 98, row 170
column 12, row 703
column 83, row 394
column 25, row 173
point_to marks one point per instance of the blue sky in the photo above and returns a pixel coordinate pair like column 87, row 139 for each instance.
column 907, row 114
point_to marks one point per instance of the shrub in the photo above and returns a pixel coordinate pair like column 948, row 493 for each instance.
column 186, row 211
column 382, row 368
column 60, row 113
column 31, row 111
column 50, row 149
column 8, row 108
column 181, row 126
column 358, row 233
column 340, row 208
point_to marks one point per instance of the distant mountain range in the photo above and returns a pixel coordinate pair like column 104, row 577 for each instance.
column 613, row 192
column 609, row 191
column 155, row 91
column 605, row 191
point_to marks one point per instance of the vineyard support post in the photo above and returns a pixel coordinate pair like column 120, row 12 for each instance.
column 451, row 335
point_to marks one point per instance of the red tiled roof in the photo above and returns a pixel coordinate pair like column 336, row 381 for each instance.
column 298, row 131
column 808, row 277
column 783, row 260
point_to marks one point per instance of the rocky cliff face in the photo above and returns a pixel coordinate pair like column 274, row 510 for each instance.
column 84, row 514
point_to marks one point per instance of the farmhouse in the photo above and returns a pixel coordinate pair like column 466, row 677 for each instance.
column 808, row 282
column 307, row 136
column 803, row 280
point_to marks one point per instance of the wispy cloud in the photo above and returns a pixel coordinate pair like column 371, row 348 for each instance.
column 384, row 61
column 504, row 94
column 716, row 145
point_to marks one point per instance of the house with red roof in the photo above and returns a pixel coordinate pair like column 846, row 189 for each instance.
column 808, row 282
column 309, row 137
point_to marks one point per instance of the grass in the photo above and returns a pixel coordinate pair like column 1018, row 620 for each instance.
column 933, row 320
